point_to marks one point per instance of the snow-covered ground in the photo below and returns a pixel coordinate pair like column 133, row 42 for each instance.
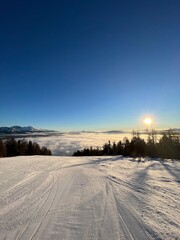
column 44, row 197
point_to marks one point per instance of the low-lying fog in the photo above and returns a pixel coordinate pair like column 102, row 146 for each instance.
column 66, row 143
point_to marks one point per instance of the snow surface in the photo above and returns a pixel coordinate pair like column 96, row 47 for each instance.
column 45, row 197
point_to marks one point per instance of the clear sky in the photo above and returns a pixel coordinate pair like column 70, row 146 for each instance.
column 73, row 65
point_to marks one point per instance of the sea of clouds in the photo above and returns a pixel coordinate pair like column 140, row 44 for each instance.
column 64, row 144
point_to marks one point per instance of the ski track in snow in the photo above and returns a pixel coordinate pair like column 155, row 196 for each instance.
column 104, row 198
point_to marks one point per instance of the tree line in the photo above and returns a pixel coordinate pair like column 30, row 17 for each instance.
column 168, row 146
column 12, row 147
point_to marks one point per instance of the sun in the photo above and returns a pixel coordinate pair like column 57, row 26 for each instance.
column 148, row 121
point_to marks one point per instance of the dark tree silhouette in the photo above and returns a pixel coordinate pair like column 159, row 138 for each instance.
column 11, row 147
column 3, row 150
column 167, row 147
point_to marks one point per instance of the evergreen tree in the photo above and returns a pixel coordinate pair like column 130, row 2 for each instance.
column 127, row 151
column 12, row 147
column 114, row 149
column 120, row 148
column 36, row 148
column 3, row 150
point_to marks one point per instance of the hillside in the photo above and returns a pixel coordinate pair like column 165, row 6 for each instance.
column 45, row 197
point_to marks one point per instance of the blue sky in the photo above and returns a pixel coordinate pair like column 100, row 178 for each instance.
column 92, row 65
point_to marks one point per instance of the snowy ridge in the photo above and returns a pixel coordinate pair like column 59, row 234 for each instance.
column 18, row 129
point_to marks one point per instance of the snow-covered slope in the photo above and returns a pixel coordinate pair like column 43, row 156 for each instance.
column 44, row 197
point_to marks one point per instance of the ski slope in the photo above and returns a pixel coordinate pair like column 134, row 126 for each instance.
column 47, row 197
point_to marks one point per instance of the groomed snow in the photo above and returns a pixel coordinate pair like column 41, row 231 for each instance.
column 43, row 197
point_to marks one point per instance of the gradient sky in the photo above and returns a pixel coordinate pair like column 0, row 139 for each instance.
column 73, row 65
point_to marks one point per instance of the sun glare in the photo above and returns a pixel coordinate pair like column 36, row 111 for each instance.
column 148, row 121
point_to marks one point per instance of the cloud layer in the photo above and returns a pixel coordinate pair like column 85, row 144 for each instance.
column 66, row 143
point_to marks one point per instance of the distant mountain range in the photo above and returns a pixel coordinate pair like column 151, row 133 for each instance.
column 18, row 129
column 30, row 129
column 175, row 130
